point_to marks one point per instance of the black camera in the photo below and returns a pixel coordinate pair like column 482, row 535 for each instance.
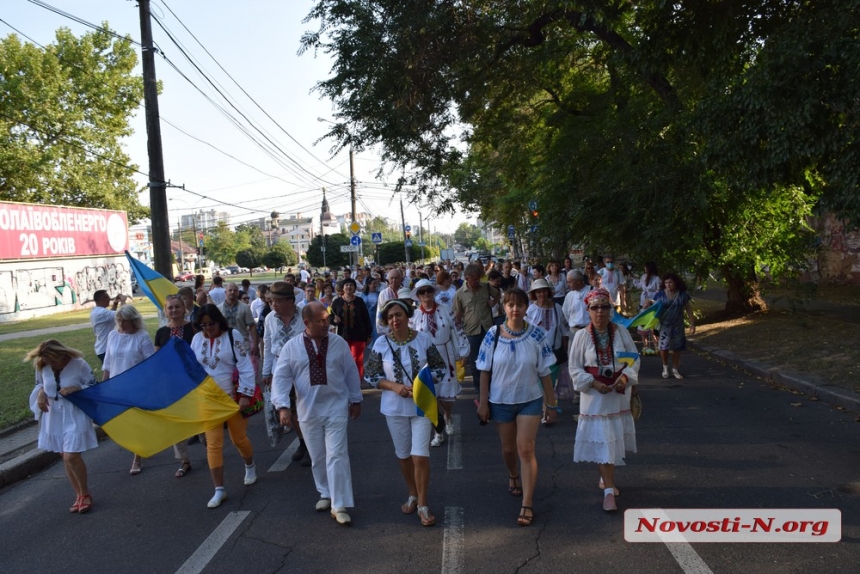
column 606, row 372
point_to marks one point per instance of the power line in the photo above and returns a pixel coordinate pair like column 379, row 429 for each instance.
column 79, row 20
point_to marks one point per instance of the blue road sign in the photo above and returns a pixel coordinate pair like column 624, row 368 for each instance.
column 408, row 228
column 533, row 205
column 511, row 232
column 408, row 243
column 376, row 238
column 533, row 229
column 356, row 240
column 422, row 244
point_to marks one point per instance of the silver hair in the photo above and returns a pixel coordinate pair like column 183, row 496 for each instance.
column 130, row 313
column 574, row 275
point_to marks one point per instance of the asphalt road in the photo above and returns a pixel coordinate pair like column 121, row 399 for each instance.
column 719, row 439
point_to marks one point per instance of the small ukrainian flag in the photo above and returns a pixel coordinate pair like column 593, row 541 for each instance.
column 424, row 395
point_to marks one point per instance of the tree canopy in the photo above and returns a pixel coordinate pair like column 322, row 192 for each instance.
column 697, row 134
column 64, row 110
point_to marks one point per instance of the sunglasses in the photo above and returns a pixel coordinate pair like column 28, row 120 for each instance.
column 246, row 298
column 600, row 308
column 425, row 292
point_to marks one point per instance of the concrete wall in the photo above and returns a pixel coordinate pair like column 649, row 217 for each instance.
column 35, row 288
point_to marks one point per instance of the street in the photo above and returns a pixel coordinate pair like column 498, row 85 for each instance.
column 719, row 439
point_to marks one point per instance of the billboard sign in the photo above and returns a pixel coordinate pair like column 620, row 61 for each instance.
column 29, row 231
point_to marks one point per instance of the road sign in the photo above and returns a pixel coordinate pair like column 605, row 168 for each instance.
column 354, row 227
column 408, row 228
column 533, row 229
column 422, row 244
column 408, row 243
column 322, row 248
column 533, row 205
column 200, row 243
column 355, row 240
column 376, row 238
column 511, row 232
column 349, row 248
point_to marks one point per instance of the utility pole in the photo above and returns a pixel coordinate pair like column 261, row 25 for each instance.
column 181, row 249
column 421, row 237
column 157, row 184
column 403, row 224
column 354, row 254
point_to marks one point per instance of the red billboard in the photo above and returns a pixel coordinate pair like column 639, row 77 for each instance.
column 29, row 231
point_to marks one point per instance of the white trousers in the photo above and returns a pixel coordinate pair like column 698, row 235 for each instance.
column 326, row 440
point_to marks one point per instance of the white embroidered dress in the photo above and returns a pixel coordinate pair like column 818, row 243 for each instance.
column 439, row 324
column 65, row 427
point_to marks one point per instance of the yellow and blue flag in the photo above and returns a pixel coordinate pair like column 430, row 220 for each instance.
column 157, row 403
column 626, row 357
column 424, row 395
column 647, row 318
column 153, row 284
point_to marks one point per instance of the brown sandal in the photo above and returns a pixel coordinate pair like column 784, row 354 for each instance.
column 523, row 519
column 514, row 488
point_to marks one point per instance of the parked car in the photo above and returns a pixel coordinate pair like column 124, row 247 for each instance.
column 234, row 269
column 184, row 276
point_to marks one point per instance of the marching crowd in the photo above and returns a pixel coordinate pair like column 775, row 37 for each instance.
column 301, row 348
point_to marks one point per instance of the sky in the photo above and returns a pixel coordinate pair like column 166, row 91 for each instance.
column 257, row 43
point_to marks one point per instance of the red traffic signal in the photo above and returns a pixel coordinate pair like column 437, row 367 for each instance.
column 534, row 213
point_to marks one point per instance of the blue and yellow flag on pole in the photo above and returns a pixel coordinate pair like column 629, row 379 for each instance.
column 646, row 318
column 158, row 403
column 626, row 357
column 424, row 395
column 153, row 284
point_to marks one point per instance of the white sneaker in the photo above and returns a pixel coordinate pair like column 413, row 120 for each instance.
column 220, row 496
column 437, row 440
column 677, row 374
column 666, row 372
column 323, row 504
column 449, row 427
column 250, row 474
column 341, row 516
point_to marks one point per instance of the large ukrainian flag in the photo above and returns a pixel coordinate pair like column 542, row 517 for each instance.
column 160, row 402
column 424, row 395
column 153, row 284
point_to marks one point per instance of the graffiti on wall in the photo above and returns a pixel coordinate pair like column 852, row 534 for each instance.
column 39, row 288
column 838, row 259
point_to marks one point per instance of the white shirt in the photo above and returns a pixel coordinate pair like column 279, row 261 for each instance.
column 218, row 295
column 517, row 365
column 257, row 307
column 125, row 350
column 611, row 280
column 650, row 288
column 217, row 359
column 329, row 400
column 553, row 322
column 304, row 275
column 574, row 308
column 446, row 297
column 385, row 295
column 275, row 336
column 252, row 294
column 103, row 321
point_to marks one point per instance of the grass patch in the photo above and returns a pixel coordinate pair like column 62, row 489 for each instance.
column 142, row 304
column 19, row 376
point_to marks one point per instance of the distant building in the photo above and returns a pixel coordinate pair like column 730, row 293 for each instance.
column 298, row 231
column 328, row 222
column 205, row 220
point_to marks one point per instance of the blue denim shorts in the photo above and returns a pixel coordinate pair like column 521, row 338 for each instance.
column 502, row 413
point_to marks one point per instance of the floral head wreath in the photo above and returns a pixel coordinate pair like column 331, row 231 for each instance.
column 597, row 295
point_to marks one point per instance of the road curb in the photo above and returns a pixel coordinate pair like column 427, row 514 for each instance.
column 804, row 383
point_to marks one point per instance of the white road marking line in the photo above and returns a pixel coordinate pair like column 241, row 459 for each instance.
column 452, row 541
column 286, row 458
column 455, row 448
column 201, row 557
column 687, row 558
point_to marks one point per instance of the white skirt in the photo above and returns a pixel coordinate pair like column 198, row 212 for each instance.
column 604, row 439
column 66, row 428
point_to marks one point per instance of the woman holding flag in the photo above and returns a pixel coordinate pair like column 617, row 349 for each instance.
column 400, row 364
column 517, row 356
column 604, row 365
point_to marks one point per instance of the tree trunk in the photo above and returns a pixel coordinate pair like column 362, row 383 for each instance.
column 743, row 291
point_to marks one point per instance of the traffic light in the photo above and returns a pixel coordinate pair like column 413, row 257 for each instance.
column 198, row 251
column 534, row 213
column 408, row 235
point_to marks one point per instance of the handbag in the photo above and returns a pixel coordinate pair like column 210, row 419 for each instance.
column 256, row 404
column 635, row 403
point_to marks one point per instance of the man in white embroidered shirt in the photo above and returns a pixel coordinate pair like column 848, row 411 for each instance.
column 328, row 393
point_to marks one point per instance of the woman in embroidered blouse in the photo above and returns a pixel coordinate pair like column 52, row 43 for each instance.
column 649, row 283
column 350, row 316
column 605, row 430
column 557, row 281
column 394, row 362
column 438, row 321
column 518, row 356
column 545, row 313
column 212, row 346
column 327, row 296
column 177, row 326
column 127, row 346
column 63, row 427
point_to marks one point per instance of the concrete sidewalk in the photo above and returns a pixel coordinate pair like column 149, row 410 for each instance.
column 50, row 331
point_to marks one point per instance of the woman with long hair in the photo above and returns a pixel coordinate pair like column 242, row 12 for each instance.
column 352, row 321
column 676, row 301
column 221, row 352
column 63, row 427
